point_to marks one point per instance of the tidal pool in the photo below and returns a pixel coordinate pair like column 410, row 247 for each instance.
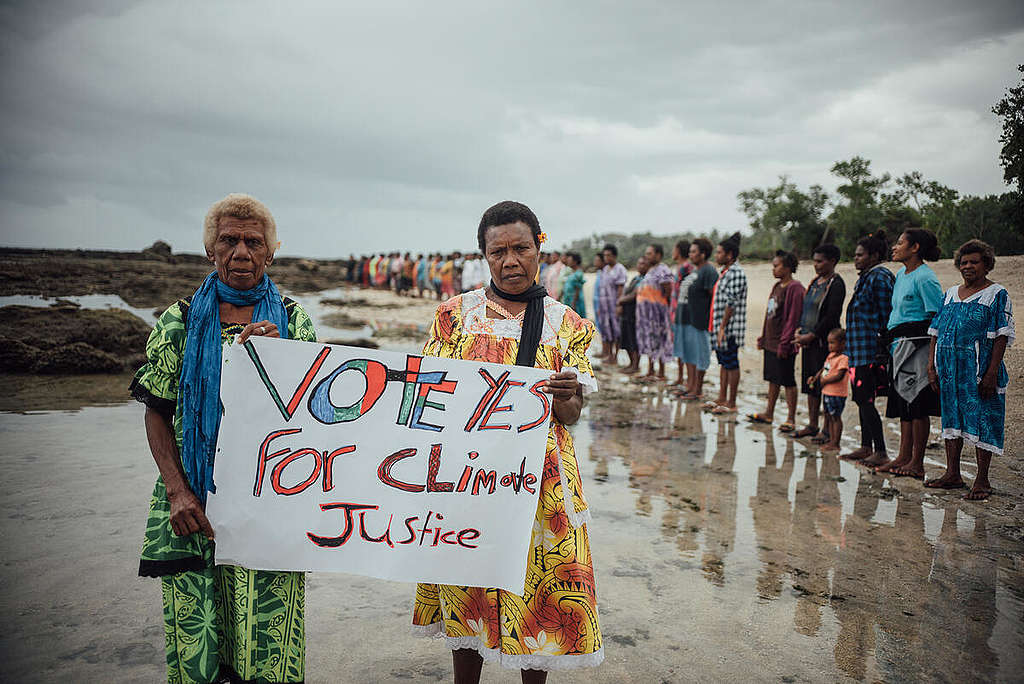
column 724, row 552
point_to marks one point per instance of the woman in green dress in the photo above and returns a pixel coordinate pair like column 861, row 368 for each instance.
column 221, row 622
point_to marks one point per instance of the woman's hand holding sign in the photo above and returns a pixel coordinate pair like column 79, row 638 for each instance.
column 567, row 396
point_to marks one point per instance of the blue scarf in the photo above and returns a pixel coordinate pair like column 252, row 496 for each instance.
column 199, row 388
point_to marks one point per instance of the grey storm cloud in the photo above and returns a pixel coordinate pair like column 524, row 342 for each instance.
column 394, row 125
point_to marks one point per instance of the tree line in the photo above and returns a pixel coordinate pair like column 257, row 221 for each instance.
column 786, row 216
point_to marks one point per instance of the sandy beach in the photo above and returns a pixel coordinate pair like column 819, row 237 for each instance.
column 724, row 551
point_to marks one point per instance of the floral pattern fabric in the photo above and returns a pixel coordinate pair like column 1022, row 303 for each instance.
column 219, row 621
column 965, row 332
column 653, row 319
column 612, row 278
column 554, row 624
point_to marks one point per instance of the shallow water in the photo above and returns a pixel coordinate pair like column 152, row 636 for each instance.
column 724, row 551
column 92, row 301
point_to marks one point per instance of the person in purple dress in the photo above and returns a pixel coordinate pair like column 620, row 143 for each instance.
column 613, row 278
column 653, row 322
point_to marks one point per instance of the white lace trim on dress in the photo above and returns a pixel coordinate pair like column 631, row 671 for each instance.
column 527, row 661
column 973, row 440
column 579, row 518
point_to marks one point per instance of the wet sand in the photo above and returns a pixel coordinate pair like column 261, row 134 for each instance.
column 724, row 551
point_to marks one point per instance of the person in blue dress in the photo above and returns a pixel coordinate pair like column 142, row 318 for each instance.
column 598, row 265
column 969, row 335
column 916, row 297
column 572, row 287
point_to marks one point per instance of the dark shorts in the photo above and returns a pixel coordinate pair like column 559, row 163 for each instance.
column 926, row 404
column 869, row 381
column 833, row 405
column 627, row 333
column 812, row 359
column 729, row 355
column 780, row 371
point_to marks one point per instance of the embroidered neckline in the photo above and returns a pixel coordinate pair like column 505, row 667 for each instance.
column 503, row 312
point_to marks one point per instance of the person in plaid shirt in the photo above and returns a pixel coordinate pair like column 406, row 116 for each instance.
column 728, row 322
column 867, row 316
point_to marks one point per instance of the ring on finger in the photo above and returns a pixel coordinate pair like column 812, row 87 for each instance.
column 262, row 330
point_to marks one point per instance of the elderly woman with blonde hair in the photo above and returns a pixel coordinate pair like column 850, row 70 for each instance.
column 221, row 623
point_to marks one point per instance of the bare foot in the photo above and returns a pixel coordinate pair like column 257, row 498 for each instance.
column 979, row 491
column 830, row 448
column 906, row 471
column 858, row 455
column 877, row 460
column 946, row 481
column 897, row 462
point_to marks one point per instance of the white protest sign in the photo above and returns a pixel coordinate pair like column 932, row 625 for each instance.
column 377, row 463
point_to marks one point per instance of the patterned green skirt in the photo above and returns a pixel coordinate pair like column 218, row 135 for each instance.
column 222, row 621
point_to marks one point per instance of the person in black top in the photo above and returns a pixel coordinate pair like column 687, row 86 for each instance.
column 823, row 305
column 626, row 309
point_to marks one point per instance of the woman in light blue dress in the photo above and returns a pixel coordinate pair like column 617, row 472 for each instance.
column 598, row 265
column 969, row 334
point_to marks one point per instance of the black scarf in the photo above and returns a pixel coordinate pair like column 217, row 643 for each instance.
column 533, row 321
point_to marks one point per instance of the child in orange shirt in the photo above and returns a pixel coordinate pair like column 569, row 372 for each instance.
column 834, row 387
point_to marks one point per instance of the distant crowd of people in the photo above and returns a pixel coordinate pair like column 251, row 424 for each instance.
column 432, row 275
column 933, row 353
column 445, row 275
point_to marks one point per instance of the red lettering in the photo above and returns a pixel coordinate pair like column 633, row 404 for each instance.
column 493, row 386
column 468, row 532
column 376, row 381
column 263, row 457
column 275, row 476
column 467, row 473
column 384, row 471
column 386, row 537
column 334, row 542
column 496, row 409
column 307, row 380
column 488, row 478
column 423, row 530
column 412, row 533
column 329, row 465
column 433, row 466
column 545, row 413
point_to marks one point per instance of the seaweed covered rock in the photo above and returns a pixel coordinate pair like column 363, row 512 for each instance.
column 68, row 340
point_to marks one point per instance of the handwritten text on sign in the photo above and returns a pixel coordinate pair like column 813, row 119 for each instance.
column 377, row 463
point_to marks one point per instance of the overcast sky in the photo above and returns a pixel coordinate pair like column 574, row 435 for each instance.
column 373, row 126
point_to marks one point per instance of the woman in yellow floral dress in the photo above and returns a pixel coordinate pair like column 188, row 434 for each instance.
column 554, row 624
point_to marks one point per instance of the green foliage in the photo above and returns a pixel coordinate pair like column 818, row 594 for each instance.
column 1011, row 156
column 860, row 210
column 784, row 217
column 632, row 246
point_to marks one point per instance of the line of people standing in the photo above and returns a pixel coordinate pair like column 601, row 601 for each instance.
column 679, row 313
column 433, row 275
column 932, row 353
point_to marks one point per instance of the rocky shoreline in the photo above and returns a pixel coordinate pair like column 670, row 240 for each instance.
column 153, row 277
column 67, row 339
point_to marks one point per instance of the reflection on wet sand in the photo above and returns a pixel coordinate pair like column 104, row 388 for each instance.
column 901, row 585
column 725, row 552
